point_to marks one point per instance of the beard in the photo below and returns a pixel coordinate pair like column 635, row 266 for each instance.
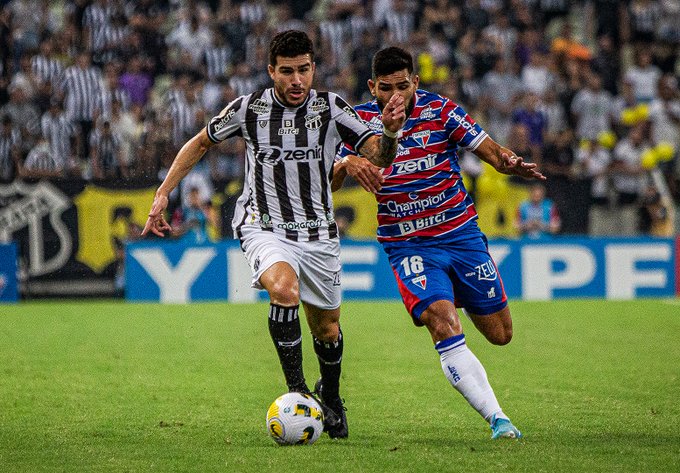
column 281, row 95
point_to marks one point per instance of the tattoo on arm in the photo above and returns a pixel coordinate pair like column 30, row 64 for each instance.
column 380, row 151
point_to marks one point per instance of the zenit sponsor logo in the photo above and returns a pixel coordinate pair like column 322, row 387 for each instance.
column 272, row 155
column 415, row 165
column 415, row 206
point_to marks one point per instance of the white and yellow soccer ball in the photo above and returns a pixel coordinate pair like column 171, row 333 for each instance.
column 295, row 419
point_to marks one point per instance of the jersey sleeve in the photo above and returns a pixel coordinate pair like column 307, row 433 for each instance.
column 460, row 127
column 228, row 123
column 352, row 130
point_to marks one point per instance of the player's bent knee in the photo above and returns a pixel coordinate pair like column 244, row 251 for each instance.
column 441, row 324
column 284, row 294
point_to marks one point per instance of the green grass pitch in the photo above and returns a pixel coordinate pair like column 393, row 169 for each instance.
column 108, row 387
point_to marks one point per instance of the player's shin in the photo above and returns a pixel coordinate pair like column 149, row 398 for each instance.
column 330, row 358
column 465, row 373
column 284, row 328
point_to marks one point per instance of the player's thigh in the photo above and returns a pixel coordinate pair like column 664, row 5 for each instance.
column 319, row 273
column 422, row 277
column 265, row 252
column 476, row 280
column 496, row 327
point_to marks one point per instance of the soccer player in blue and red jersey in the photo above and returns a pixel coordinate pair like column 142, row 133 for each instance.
column 428, row 224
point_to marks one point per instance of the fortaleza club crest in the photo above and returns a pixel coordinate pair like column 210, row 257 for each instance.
column 420, row 281
column 421, row 137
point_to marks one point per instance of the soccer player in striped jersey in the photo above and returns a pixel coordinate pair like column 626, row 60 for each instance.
column 428, row 224
column 284, row 218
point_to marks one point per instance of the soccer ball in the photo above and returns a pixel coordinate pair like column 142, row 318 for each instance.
column 295, row 419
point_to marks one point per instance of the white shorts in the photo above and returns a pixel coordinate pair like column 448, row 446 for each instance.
column 316, row 263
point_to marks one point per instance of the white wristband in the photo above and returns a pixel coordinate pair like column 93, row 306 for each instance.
column 389, row 134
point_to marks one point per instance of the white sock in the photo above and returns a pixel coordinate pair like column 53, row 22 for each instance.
column 465, row 373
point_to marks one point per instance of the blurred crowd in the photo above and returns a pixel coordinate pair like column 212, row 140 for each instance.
column 110, row 89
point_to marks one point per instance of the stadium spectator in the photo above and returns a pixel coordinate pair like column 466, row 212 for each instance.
column 111, row 91
column 501, row 88
column 530, row 115
column 592, row 108
column 642, row 18
column 520, row 142
column 26, row 79
column 136, row 82
column 10, row 139
column 46, row 67
column 606, row 64
column 42, row 162
column 80, row 87
column 25, row 117
column 106, row 158
column 277, row 245
column 655, row 218
column 628, row 178
column 192, row 36
column 594, row 161
column 555, row 117
column 664, row 113
column 433, row 243
column 191, row 221
column 62, row 137
column 537, row 217
column 644, row 76
column 127, row 126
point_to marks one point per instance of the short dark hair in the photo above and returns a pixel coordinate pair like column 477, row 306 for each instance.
column 392, row 59
column 290, row 43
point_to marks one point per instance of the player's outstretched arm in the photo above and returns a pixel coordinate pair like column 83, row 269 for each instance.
column 188, row 156
column 382, row 150
column 505, row 161
column 365, row 173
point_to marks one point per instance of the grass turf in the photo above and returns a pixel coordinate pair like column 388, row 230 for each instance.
column 107, row 386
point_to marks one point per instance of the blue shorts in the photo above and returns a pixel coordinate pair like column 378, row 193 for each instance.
column 459, row 270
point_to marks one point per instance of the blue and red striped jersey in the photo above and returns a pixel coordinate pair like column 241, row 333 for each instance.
column 423, row 193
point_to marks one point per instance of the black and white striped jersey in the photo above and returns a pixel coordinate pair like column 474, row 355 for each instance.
column 9, row 141
column 82, row 88
column 289, row 160
column 217, row 61
column 46, row 69
column 59, row 131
